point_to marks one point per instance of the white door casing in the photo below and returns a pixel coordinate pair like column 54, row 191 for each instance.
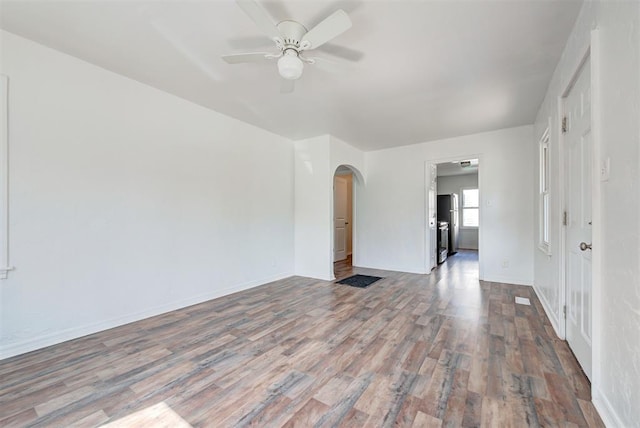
column 578, row 152
column 349, row 226
column 432, row 180
column 339, row 218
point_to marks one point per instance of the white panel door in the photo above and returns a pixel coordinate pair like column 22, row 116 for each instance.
column 339, row 218
column 432, row 180
column 578, row 176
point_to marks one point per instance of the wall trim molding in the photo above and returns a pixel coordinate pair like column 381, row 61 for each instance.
column 508, row 280
column 32, row 344
column 420, row 270
column 605, row 409
column 315, row 275
column 553, row 319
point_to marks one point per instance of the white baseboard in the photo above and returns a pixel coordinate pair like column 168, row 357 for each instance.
column 553, row 318
column 605, row 410
column 507, row 280
column 32, row 344
column 315, row 275
column 419, row 270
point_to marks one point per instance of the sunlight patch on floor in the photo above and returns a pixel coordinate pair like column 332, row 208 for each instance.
column 157, row 416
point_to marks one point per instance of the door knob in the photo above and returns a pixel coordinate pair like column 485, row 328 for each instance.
column 584, row 246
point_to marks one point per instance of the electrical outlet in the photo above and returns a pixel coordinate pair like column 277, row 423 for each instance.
column 505, row 264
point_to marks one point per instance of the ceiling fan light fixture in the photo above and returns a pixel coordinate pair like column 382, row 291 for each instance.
column 291, row 39
column 289, row 65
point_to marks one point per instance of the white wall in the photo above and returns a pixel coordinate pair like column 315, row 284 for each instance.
column 4, row 177
column 392, row 229
column 468, row 237
column 121, row 202
column 616, row 367
column 313, row 200
column 316, row 161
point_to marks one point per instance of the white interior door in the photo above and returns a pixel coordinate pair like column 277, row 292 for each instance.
column 578, row 176
column 432, row 216
column 339, row 218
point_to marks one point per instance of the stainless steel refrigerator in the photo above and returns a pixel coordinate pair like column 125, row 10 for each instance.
column 448, row 211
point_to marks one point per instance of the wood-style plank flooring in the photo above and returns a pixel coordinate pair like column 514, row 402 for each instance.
column 410, row 350
column 343, row 268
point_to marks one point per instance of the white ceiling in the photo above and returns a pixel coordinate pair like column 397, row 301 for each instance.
column 448, row 169
column 429, row 69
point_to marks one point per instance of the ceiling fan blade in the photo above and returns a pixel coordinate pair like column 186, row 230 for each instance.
column 246, row 57
column 328, row 7
column 342, row 52
column 332, row 26
column 260, row 17
column 251, row 43
column 287, row 86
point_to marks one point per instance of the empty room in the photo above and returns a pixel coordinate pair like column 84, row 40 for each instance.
column 222, row 213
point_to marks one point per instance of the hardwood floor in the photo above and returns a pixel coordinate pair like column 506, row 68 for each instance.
column 410, row 350
column 343, row 268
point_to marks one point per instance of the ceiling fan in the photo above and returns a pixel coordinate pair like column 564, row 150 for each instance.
column 291, row 39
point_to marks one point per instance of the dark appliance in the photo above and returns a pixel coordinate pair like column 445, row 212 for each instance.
column 448, row 212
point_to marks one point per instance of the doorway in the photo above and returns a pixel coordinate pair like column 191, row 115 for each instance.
column 454, row 209
column 343, row 221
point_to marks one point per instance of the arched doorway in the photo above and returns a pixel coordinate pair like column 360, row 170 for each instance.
column 345, row 180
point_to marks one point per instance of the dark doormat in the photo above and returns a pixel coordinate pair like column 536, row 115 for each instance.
column 360, row 281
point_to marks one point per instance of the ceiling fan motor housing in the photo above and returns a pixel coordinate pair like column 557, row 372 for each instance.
column 290, row 65
column 292, row 33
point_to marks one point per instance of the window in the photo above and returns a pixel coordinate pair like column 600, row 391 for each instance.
column 470, row 208
column 543, row 195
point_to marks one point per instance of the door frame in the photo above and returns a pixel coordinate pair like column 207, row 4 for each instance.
column 341, row 177
column 428, row 248
column 592, row 52
column 427, row 240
